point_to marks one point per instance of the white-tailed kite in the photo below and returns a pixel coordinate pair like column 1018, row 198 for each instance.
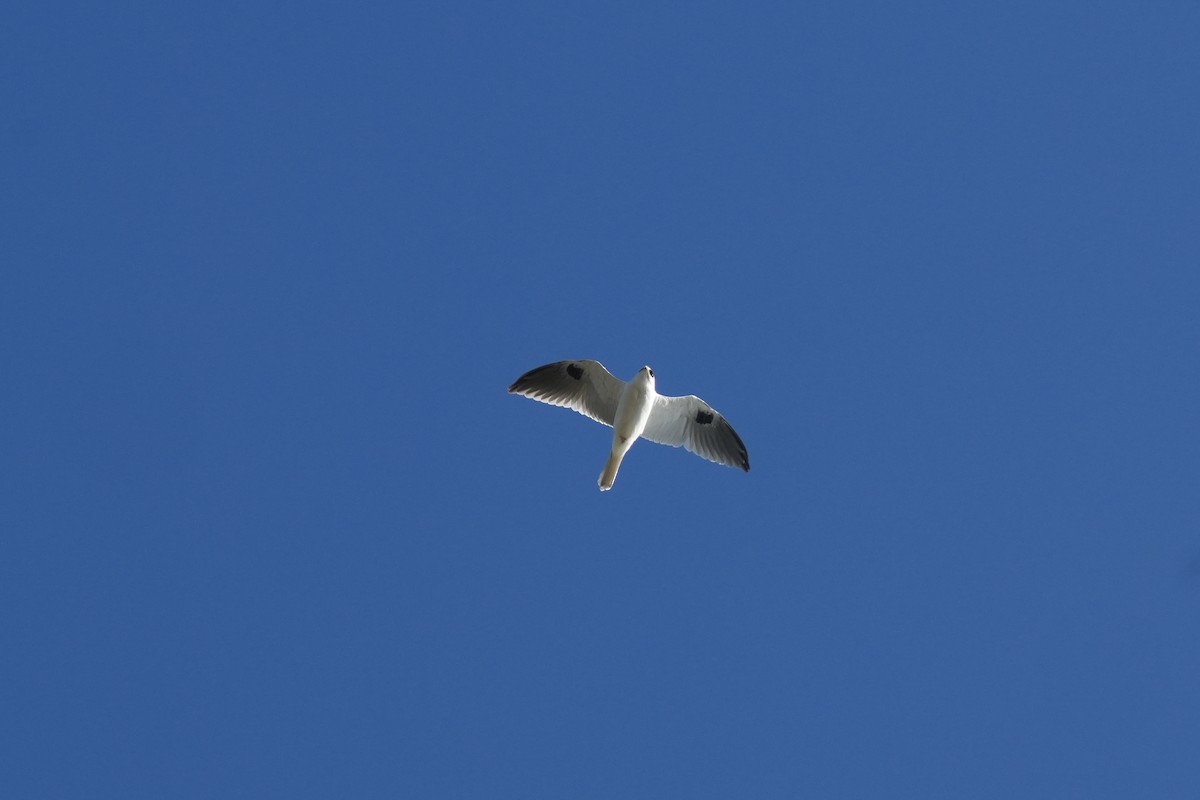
column 634, row 409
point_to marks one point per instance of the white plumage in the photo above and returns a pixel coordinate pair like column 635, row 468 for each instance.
column 634, row 410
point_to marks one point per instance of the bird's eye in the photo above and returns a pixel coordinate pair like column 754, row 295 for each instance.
column 650, row 371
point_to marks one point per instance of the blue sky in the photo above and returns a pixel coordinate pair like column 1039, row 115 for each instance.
column 272, row 526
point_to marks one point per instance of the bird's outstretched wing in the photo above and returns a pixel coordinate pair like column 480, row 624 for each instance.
column 583, row 386
column 694, row 424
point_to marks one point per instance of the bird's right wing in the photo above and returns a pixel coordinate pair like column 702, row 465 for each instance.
column 583, row 386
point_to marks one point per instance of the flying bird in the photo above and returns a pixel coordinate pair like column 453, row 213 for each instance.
column 634, row 410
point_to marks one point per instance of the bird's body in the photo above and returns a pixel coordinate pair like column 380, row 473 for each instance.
column 634, row 410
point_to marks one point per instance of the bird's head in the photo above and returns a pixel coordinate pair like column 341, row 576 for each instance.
column 648, row 375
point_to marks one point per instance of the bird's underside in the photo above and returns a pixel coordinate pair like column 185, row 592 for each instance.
column 634, row 410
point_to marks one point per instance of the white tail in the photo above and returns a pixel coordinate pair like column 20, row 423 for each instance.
column 610, row 471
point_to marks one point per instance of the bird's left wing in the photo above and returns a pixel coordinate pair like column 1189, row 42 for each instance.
column 583, row 386
column 695, row 425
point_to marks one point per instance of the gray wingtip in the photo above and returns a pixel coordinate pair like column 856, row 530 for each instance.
column 523, row 382
column 745, row 456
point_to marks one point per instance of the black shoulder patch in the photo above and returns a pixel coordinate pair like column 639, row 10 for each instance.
column 575, row 371
column 704, row 418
